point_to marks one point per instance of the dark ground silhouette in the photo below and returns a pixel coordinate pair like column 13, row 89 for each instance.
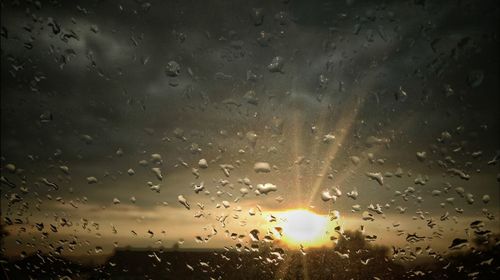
column 364, row 261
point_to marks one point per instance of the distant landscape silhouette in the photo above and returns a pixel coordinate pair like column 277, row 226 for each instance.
column 352, row 258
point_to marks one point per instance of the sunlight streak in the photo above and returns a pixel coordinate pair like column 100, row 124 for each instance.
column 344, row 126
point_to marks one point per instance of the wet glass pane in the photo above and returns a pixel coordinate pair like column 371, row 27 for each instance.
column 277, row 139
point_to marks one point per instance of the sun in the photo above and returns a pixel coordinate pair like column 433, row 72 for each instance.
column 301, row 227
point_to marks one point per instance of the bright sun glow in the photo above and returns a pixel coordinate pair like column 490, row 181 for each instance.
column 303, row 227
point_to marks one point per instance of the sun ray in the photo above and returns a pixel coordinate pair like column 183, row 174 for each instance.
column 296, row 132
column 305, row 272
column 320, row 130
column 344, row 174
column 284, row 267
column 345, row 124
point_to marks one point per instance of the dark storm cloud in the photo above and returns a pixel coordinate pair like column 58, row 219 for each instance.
column 112, row 48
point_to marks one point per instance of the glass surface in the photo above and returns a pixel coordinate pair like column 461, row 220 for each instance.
column 276, row 139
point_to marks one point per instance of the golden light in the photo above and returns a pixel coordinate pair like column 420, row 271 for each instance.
column 303, row 227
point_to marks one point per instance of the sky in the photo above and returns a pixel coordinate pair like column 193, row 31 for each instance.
column 99, row 99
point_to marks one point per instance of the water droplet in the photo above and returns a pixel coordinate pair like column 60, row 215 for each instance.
column 46, row 117
column 199, row 187
column 401, row 94
column 251, row 97
column 251, row 212
column 421, row 156
column 355, row 160
column 202, row 163
column 458, row 243
column 226, row 168
column 87, row 139
column 156, row 158
column 329, row 138
column 276, row 64
column 183, row 201
column 262, row 167
column 353, row 194
column 377, row 176
column 266, row 188
column 343, row 256
column 356, row 208
column 155, row 188
column 98, row 249
column 92, row 180
column 475, row 78
column 157, row 172
column 326, row 196
column 94, row 28
column 459, row 173
column 254, row 235
column 173, row 69
column 257, row 15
